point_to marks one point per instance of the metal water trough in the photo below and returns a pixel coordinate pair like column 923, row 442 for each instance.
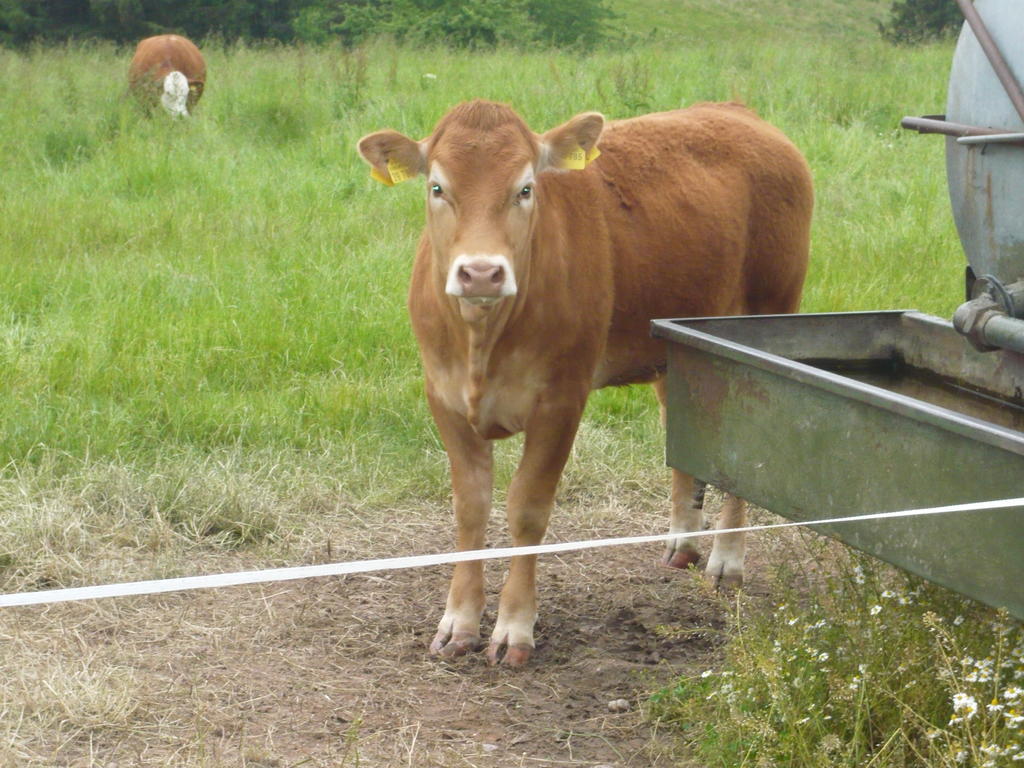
column 817, row 416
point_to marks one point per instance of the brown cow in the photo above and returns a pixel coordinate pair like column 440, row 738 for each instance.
column 171, row 66
column 533, row 285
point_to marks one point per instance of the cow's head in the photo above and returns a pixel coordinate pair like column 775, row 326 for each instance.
column 481, row 165
column 175, row 94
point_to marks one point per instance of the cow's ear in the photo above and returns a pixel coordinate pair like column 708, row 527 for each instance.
column 572, row 145
column 392, row 157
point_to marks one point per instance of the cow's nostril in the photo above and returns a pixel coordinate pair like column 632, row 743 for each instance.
column 464, row 277
column 498, row 275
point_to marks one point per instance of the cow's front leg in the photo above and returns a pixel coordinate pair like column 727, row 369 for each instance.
column 531, row 495
column 470, row 458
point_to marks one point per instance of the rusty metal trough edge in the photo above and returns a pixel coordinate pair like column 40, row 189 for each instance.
column 851, row 434
column 671, row 330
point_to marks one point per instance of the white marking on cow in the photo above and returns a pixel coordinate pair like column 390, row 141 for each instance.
column 454, row 288
column 175, row 95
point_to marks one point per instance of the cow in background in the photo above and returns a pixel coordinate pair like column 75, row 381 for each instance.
column 536, row 277
column 169, row 66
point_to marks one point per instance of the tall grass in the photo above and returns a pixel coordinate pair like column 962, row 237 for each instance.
column 876, row 668
column 233, row 285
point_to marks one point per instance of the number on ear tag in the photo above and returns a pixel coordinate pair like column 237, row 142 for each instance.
column 578, row 158
column 396, row 174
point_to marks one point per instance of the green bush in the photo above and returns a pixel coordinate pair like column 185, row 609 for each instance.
column 917, row 21
column 466, row 25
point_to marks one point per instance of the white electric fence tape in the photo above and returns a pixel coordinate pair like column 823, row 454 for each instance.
column 419, row 561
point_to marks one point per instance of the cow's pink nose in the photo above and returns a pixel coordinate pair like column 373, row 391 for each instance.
column 481, row 278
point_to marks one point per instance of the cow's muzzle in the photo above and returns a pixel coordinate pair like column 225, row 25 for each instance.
column 481, row 280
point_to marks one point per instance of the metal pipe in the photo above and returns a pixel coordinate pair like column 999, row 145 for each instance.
column 1003, row 332
column 938, row 124
column 998, row 138
column 988, row 45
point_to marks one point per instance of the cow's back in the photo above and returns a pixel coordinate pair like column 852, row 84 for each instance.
column 155, row 57
column 707, row 211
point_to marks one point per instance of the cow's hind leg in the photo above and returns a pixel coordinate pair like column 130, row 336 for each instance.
column 687, row 508
column 725, row 565
column 470, row 457
column 531, row 495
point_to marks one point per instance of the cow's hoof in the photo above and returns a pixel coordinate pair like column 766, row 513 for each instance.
column 724, row 581
column 450, row 646
column 680, row 559
column 516, row 655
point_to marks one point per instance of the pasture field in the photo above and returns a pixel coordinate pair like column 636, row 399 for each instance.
column 233, row 287
column 205, row 364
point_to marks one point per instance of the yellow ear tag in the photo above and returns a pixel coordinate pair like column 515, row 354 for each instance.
column 577, row 159
column 396, row 174
column 383, row 178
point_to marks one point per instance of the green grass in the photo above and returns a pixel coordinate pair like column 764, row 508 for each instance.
column 238, row 281
column 235, row 284
column 696, row 22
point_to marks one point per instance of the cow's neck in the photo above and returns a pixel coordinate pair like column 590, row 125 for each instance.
column 479, row 348
column 479, row 336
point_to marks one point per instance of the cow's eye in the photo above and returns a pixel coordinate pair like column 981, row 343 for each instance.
column 525, row 193
column 436, row 191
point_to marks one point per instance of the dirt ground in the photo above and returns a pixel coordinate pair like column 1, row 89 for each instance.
column 334, row 671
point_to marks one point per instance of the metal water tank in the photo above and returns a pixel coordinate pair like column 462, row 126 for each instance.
column 986, row 173
column 984, row 126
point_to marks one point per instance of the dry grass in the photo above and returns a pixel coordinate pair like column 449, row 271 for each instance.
column 333, row 672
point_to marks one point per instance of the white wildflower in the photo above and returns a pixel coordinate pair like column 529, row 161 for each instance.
column 888, row 594
column 707, row 673
column 958, row 621
column 1013, row 693
column 823, row 656
column 965, row 704
column 858, row 575
column 875, row 610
